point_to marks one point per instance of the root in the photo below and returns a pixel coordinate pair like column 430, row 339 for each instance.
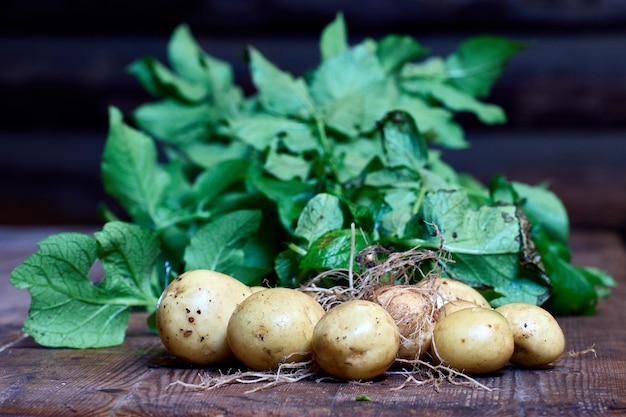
column 576, row 354
column 288, row 372
column 402, row 268
column 425, row 373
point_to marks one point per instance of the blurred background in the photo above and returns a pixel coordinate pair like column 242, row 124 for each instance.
column 62, row 63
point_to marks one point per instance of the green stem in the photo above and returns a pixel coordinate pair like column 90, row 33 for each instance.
column 297, row 249
column 326, row 147
column 420, row 196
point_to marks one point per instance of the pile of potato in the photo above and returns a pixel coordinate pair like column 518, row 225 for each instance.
column 207, row 318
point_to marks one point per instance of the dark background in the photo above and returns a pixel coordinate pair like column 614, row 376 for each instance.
column 64, row 62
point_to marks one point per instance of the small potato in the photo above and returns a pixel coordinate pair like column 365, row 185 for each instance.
column 453, row 306
column 357, row 339
column 273, row 326
column 413, row 311
column 193, row 312
column 452, row 290
column 473, row 340
column 538, row 337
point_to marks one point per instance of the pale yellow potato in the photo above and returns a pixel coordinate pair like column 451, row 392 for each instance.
column 449, row 289
column 473, row 340
column 539, row 340
column 413, row 310
column 453, row 306
column 273, row 326
column 193, row 312
column 356, row 340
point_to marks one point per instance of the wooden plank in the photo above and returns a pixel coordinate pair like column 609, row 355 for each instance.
column 273, row 15
column 135, row 378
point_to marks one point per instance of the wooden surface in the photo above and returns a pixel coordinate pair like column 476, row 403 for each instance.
column 135, row 378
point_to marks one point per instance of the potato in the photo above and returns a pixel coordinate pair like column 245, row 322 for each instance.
column 453, row 306
column 452, row 290
column 473, row 340
column 193, row 312
column 412, row 309
column 357, row 339
column 273, row 326
column 538, row 337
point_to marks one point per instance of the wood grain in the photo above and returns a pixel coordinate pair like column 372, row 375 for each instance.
column 135, row 379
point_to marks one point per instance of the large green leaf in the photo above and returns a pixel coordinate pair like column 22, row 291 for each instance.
column 219, row 245
column 394, row 51
column 69, row 309
column 333, row 40
column 130, row 170
column 175, row 122
column 320, row 215
column 482, row 231
column 279, row 92
column 478, row 63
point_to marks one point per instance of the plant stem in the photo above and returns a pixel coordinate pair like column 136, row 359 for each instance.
column 326, row 147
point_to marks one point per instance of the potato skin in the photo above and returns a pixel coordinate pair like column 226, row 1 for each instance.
column 356, row 340
column 539, row 340
column 473, row 340
column 453, row 290
column 273, row 326
column 454, row 306
column 413, row 310
column 193, row 312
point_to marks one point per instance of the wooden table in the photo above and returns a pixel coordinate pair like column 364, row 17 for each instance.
column 135, row 378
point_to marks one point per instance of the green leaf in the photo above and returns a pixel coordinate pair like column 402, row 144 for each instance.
column 478, row 63
column 433, row 68
column 334, row 38
column 498, row 273
column 394, row 51
column 456, row 100
column 352, row 91
column 576, row 290
column 482, row 231
column 435, row 123
column 218, row 245
column 159, row 81
column 212, row 181
column 543, row 207
column 67, row 308
column 290, row 197
column 128, row 254
column 262, row 131
column 354, row 157
column 362, row 398
column 403, row 144
column 278, row 91
column 130, row 170
column 332, row 250
column 320, row 215
column 175, row 122
column 353, row 71
column 287, row 167
column 207, row 155
column 402, row 205
column 287, row 268
column 185, row 56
